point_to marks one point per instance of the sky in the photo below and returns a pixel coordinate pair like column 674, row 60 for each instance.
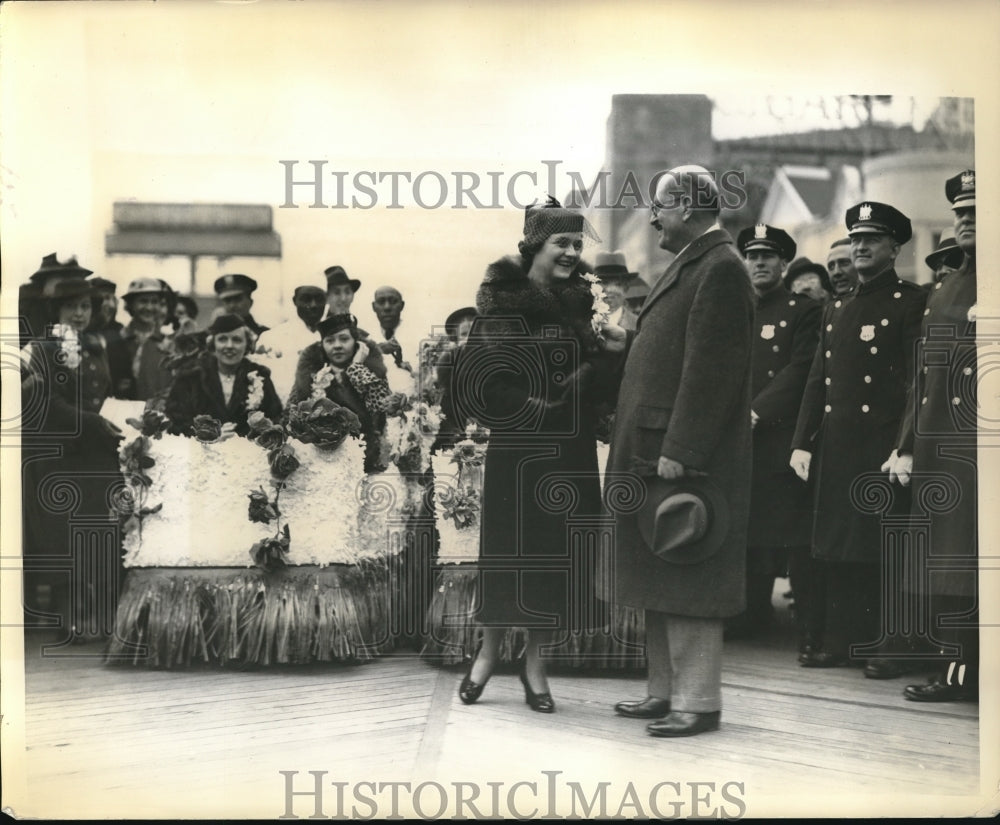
column 199, row 102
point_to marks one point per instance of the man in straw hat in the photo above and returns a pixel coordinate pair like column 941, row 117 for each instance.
column 854, row 398
column 683, row 422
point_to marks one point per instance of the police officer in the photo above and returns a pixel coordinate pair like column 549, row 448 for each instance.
column 786, row 331
column 938, row 441
column 234, row 293
column 854, row 399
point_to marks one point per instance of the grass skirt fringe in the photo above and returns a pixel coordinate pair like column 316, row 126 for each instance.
column 173, row 617
column 453, row 633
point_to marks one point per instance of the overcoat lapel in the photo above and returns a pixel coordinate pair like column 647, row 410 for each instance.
column 695, row 250
column 213, row 390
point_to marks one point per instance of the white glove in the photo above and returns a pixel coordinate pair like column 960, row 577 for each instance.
column 800, row 463
column 899, row 467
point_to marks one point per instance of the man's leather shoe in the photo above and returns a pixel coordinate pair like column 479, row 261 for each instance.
column 648, row 708
column 820, row 658
column 680, row 723
column 886, row 668
column 937, row 691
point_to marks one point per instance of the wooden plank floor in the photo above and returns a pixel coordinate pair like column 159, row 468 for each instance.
column 123, row 741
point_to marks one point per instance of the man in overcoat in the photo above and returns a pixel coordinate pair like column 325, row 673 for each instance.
column 937, row 444
column 684, row 410
column 786, row 331
column 854, row 399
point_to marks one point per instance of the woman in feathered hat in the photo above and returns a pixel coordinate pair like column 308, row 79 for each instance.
column 70, row 450
column 224, row 383
column 345, row 369
column 538, row 361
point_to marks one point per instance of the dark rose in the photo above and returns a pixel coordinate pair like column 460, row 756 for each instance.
column 135, row 460
column 261, row 510
column 206, row 428
column 270, row 553
column 283, row 461
column 468, row 455
column 396, row 404
column 152, row 423
column 323, row 423
column 271, row 438
column 258, row 422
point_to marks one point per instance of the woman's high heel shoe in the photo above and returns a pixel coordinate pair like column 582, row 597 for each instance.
column 541, row 702
column 470, row 691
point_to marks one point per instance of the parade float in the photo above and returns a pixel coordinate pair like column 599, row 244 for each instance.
column 452, row 634
column 279, row 549
column 276, row 548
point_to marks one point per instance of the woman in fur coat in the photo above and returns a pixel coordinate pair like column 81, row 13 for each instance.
column 345, row 369
column 534, row 372
column 224, row 384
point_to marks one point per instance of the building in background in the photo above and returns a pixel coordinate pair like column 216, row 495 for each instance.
column 802, row 181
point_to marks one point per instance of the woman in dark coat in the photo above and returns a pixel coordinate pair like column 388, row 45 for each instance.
column 345, row 369
column 224, row 383
column 532, row 372
column 69, row 452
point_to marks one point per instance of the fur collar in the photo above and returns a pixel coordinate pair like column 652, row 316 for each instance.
column 313, row 359
column 507, row 290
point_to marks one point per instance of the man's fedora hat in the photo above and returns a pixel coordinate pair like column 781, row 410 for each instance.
column 612, row 265
column 684, row 520
column 452, row 321
column 337, row 276
column 805, row 266
column 947, row 250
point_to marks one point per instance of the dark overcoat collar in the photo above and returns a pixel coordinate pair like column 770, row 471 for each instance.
column 694, row 250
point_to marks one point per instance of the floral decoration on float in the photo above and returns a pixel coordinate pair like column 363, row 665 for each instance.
column 453, row 633
column 274, row 548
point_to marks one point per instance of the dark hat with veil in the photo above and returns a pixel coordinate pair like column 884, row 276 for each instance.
column 551, row 218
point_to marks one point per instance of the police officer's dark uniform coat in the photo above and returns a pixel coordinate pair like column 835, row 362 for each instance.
column 685, row 394
column 786, row 330
column 940, row 426
column 855, row 397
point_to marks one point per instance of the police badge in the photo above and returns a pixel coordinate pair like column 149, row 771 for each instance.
column 866, row 213
column 767, row 332
column 868, row 332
